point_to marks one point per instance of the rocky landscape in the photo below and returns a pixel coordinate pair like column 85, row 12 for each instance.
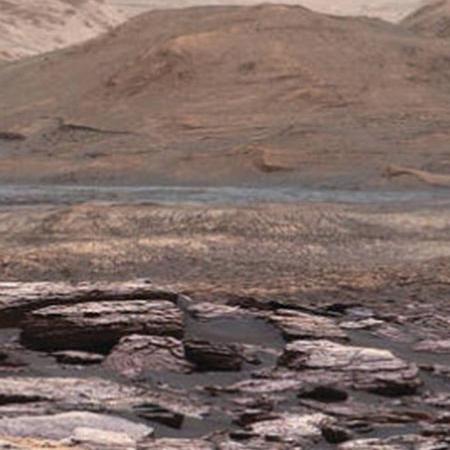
column 225, row 228
column 133, row 366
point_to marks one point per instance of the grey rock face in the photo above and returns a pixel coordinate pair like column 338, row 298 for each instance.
column 64, row 426
column 18, row 298
column 369, row 369
column 137, row 354
column 99, row 326
column 295, row 429
column 298, row 325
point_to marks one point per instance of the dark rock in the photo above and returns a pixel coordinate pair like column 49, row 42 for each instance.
column 158, row 414
column 298, row 325
column 249, row 416
column 209, row 356
column 369, row 369
column 11, row 136
column 137, row 354
column 78, row 358
column 324, row 393
column 335, row 434
column 98, row 326
column 10, row 361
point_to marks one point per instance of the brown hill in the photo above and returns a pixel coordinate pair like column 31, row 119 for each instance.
column 229, row 95
column 431, row 20
column 28, row 27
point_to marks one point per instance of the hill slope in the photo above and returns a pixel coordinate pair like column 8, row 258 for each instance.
column 431, row 20
column 229, row 95
column 28, row 27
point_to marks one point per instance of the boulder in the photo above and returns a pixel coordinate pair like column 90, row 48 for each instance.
column 207, row 356
column 369, row 369
column 294, row 429
column 137, row 354
column 98, row 326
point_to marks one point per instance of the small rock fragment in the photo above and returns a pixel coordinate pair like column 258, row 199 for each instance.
column 78, row 357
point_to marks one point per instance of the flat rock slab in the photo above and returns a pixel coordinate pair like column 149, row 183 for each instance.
column 208, row 311
column 79, row 393
column 369, row 369
column 298, row 325
column 12, row 443
column 137, row 354
column 19, row 297
column 295, row 429
column 65, row 425
column 98, row 326
column 92, row 394
column 438, row 346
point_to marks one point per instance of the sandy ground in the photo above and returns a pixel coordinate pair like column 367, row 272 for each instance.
column 308, row 251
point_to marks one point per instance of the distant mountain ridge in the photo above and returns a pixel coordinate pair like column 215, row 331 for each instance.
column 224, row 95
column 391, row 10
column 29, row 27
